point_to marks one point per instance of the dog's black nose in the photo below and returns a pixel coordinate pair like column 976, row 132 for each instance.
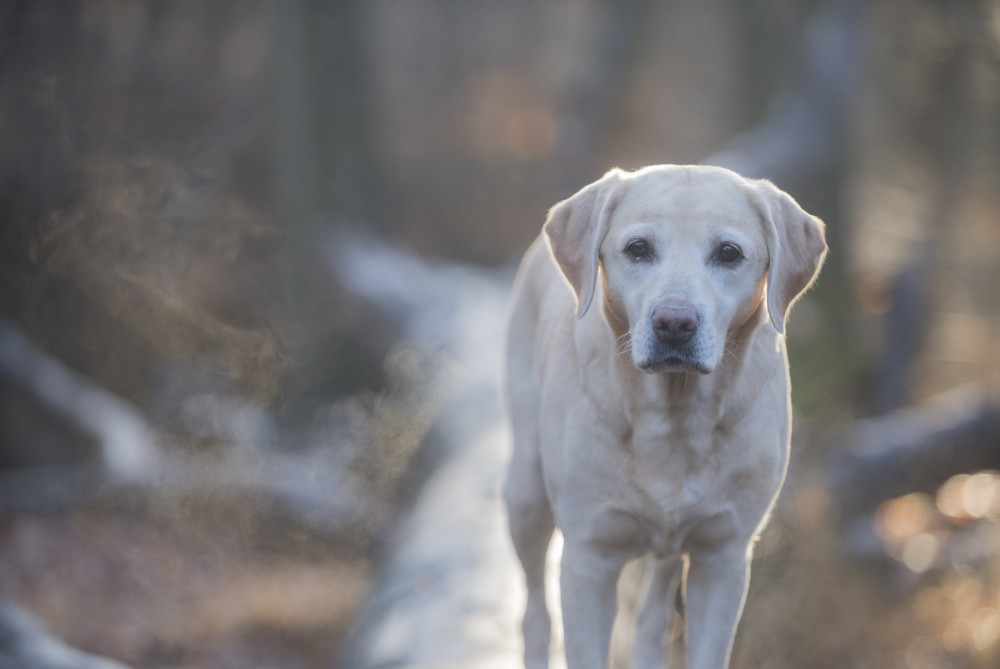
column 675, row 322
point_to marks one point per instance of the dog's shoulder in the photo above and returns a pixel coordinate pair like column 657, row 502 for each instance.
column 540, row 296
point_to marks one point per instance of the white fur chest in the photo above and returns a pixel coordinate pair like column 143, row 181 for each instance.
column 675, row 477
column 659, row 477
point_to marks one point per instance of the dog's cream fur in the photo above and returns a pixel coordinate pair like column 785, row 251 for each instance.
column 634, row 439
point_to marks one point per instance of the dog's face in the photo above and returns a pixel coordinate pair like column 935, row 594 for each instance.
column 685, row 255
column 683, row 262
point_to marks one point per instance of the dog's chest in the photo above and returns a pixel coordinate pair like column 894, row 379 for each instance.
column 673, row 477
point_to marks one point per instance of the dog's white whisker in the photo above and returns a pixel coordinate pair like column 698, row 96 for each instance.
column 729, row 350
column 624, row 344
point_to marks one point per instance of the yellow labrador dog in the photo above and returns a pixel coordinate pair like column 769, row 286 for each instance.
column 648, row 388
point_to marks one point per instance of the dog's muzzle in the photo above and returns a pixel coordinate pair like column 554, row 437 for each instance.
column 675, row 325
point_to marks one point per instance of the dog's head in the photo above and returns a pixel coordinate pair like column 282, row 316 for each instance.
column 686, row 255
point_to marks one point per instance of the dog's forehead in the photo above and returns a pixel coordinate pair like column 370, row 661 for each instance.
column 688, row 197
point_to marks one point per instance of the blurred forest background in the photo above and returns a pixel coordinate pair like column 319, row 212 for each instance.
column 179, row 178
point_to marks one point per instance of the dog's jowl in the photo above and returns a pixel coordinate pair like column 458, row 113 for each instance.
column 647, row 383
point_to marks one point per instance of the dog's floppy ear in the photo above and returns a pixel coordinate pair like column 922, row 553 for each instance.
column 575, row 230
column 796, row 246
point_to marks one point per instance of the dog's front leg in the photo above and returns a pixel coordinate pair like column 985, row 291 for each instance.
column 715, row 592
column 588, row 580
column 655, row 615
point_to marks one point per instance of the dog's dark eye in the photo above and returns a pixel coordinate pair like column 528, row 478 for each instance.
column 638, row 249
column 729, row 253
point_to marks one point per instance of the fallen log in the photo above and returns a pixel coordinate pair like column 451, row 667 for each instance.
column 916, row 448
column 448, row 592
column 61, row 435
column 26, row 644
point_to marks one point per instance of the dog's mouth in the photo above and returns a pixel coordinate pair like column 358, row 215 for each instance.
column 674, row 364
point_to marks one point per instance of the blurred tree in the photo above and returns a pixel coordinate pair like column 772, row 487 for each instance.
column 949, row 128
column 325, row 178
column 134, row 236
